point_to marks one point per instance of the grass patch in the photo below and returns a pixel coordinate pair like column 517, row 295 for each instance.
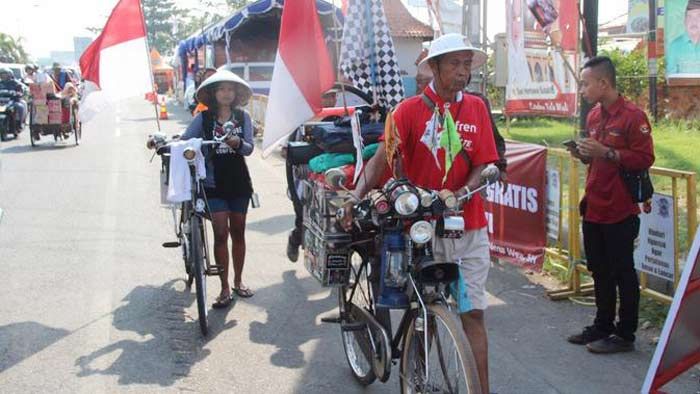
column 652, row 311
column 675, row 143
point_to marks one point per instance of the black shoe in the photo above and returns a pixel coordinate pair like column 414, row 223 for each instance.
column 588, row 335
column 293, row 247
column 612, row 344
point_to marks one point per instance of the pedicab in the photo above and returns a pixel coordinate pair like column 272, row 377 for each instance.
column 53, row 115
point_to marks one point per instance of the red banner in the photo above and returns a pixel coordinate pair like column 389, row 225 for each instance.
column 516, row 210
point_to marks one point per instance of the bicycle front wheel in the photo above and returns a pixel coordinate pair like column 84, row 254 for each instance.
column 448, row 366
column 352, row 299
column 200, row 279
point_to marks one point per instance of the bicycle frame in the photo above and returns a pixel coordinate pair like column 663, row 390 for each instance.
column 397, row 340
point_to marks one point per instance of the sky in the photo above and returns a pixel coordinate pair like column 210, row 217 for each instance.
column 47, row 25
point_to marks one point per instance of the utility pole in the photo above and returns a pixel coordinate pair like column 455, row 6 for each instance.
column 653, row 68
column 590, row 46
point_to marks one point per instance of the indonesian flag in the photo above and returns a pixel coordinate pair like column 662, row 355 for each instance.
column 302, row 73
column 117, row 62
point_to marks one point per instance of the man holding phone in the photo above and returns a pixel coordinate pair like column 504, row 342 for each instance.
column 619, row 137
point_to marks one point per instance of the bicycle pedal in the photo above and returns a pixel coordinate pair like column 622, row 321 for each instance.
column 171, row 244
column 333, row 319
column 357, row 326
column 214, row 270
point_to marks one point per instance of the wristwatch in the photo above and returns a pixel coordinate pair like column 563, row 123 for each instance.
column 610, row 154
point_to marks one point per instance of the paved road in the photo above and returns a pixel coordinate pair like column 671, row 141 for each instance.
column 92, row 303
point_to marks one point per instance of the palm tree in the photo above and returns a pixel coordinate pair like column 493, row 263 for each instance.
column 11, row 49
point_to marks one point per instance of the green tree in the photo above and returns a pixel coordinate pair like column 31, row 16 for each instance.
column 160, row 16
column 210, row 11
column 632, row 72
column 12, row 50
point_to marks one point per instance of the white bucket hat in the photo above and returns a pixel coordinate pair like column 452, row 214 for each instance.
column 454, row 42
column 243, row 90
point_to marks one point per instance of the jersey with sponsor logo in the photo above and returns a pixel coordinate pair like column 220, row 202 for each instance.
column 625, row 128
column 412, row 119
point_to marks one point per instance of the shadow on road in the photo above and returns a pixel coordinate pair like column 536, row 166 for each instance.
column 273, row 225
column 290, row 324
column 19, row 341
column 50, row 146
column 172, row 342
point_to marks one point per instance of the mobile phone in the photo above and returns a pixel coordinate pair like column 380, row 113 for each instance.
column 571, row 144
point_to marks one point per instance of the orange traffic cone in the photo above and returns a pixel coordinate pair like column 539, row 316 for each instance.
column 163, row 111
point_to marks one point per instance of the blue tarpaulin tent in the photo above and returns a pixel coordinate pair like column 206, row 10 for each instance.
column 224, row 28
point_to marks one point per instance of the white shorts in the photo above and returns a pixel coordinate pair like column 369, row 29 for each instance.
column 472, row 254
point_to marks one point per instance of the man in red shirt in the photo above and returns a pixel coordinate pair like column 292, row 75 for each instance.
column 410, row 141
column 619, row 137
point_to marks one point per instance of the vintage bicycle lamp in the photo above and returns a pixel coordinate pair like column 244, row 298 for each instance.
column 393, row 271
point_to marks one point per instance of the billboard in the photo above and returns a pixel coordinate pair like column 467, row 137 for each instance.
column 682, row 40
column 638, row 16
column 542, row 38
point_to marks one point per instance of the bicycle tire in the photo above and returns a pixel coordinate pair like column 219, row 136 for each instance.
column 456, row 334
column 184, row 239
column 363, row 354
column 200, row 277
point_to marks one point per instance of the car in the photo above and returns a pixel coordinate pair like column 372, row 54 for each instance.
column 17, row 70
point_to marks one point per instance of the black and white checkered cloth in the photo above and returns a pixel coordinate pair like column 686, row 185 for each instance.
column 366, row 42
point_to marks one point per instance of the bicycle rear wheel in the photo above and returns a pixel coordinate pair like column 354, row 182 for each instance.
column 200, row 278
column 449, row 362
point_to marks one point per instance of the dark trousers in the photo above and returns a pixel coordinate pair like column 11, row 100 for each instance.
column 609, row 252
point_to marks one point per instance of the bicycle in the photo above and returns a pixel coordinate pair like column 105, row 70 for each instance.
column 189, row 227
column 392, row 234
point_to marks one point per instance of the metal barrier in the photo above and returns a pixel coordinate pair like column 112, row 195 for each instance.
column 257, row 105
column 566, row 254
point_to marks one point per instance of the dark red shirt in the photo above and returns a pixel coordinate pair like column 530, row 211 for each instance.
column 625, row 128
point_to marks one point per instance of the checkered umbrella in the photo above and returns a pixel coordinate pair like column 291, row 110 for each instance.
column 367, row 55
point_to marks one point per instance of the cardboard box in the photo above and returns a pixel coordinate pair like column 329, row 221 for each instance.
column 54, row 106
column 36, row 89
column 41, row 114
column 55, row 118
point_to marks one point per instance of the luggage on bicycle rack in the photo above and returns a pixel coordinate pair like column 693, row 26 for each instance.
column 326, row 248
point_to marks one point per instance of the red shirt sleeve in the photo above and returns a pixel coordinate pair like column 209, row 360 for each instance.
column 485, row 148
column 639, row 153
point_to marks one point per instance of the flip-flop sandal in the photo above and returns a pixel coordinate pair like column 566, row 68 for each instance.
column 244, row 293
column 222, row 303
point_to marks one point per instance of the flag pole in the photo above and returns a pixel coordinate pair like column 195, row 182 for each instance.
column 150, row 66
column 337, row 57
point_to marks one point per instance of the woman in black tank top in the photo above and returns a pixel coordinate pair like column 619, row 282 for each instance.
column 229, row 194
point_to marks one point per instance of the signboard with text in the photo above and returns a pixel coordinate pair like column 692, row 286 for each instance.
column 655, row 253
column 516, row 210
column 542, row 43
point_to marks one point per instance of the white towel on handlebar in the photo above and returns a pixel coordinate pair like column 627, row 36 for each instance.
column 179, row 182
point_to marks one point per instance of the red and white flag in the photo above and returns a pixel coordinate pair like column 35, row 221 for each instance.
column 118, row 62
column 302, row 73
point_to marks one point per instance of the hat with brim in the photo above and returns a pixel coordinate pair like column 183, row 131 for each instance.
column 205, row 92
column 454, row 42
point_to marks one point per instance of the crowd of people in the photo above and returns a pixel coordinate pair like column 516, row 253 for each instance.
column 617, row 137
